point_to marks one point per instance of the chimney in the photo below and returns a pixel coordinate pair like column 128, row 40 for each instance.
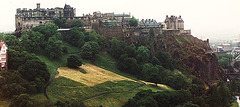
column 38, row 5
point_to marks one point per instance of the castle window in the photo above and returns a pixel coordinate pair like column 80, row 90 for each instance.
column 40, row 22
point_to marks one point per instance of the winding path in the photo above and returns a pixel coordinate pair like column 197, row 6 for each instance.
column 113, row 92
column 49, row 82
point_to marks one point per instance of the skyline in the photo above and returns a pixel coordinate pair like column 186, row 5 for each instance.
column 215, row 19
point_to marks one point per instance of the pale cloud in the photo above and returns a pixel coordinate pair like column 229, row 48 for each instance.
column 207, row 18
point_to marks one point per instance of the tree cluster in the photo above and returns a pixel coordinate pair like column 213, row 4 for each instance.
column 90, row 42
column 148, row 98
column 216, row 96
column 27, row 74
column 225, row 60
column 138, row 61
column 60, row 22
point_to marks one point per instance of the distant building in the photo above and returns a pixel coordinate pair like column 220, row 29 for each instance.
column 3, row 58
column 25, row 18
column 69, row 11
column 174, row 23
column 112, row 19
column 149, row 23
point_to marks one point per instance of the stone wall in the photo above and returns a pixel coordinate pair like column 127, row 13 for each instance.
column 30, row 22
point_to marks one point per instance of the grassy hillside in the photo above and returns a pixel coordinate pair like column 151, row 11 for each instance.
column 93, row 76
column 104, row 78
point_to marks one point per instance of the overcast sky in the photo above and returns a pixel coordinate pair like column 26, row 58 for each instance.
column 214, row 19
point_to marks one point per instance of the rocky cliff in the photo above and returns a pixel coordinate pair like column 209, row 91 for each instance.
column 191, row 53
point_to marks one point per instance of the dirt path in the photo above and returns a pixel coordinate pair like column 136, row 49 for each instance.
column 113, row 92
column 49, row 82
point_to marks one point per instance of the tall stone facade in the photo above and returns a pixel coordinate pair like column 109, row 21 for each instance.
column 27, row 18
column 69, row 11
column 174, row 23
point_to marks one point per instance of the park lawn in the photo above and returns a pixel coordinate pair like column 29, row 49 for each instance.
column 94, row 75
column 72, row 85
column 118, row 99
column 65, row 89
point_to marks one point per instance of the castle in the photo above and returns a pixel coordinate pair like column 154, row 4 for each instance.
column 26, row 19
column 174, row 23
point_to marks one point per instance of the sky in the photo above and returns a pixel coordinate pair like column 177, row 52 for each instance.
column 207, row 19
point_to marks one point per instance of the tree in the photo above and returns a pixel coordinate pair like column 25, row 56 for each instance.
column 102, row 41
column 133, row 22
column 117, row 47
column 78, row 23
column 13, row 42
column 73, row 62
column 142, row 54
column 54, row 48
column 131, row 50
column 32, row 41
column 165, row 60
column 22, row 100
column 49, row 30
column 76, row 37
column 131, row 65
column 36, row 71
column 18, row 56
column 11, row 89
column 214, row 97
column 60, row 22
column 155, row 78
column 155, row 61
column 225, row 94
column 89, row 50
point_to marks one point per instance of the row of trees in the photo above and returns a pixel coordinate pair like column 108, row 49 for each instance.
column 216, row 96
column 89, row 42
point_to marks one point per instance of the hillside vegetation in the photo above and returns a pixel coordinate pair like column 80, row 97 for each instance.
column 66, row 88
column 111, row 73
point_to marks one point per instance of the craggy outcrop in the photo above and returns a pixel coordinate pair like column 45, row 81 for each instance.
column 191, row 53
column 195, row 56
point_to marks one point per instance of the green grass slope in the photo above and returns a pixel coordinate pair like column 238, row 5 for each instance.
column 65, row 89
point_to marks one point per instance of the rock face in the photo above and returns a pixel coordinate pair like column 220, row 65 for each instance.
column 191, row 53
column 195, row 56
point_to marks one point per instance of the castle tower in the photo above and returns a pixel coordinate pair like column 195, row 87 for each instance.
column 180, row 23
column 174, row 23
column 38, row 5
